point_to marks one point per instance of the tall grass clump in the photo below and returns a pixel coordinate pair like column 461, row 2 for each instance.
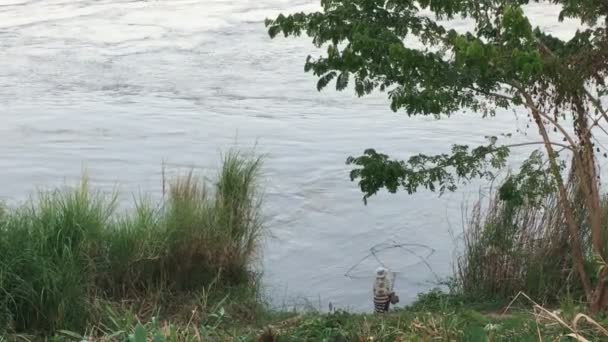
column 65, row 251
column 221, row 228
column 49, row 249
column 520, row 246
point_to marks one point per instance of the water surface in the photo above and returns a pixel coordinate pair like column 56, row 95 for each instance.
column 119, row 87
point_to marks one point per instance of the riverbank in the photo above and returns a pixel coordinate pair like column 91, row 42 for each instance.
column 434, row 317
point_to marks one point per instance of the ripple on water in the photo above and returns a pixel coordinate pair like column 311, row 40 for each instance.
column 122, row 86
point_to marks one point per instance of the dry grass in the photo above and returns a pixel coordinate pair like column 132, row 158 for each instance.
column 544, row 316
column 509, row 248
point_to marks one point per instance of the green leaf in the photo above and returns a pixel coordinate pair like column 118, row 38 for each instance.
column 173, row 333
column 323, row 81
column 72, row 334
column 139, row 335
column 342, row 81
column 273, row 31
column 308, row 65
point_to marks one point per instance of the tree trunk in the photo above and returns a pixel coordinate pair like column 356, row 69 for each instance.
column 589, row 179
column 574, row 230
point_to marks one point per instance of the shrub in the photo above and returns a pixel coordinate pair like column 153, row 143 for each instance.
column 511, row 247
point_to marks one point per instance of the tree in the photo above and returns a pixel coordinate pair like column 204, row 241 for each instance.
column 504, row 62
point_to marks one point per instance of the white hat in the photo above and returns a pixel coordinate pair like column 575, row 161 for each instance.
column 381, row 272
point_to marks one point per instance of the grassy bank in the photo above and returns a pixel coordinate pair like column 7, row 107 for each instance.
column 434, row 317
column 70, row 259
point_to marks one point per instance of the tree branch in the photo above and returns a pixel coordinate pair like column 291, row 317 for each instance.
column 563, row 146
column 598, row 105
column 487, row 93
column 573, row 228
column 530, row 104
column 595, row 101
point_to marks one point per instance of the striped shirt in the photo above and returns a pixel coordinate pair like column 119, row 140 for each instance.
column 381, row 304
column 382, row 292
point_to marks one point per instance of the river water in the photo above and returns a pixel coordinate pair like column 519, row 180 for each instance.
column 119, row 87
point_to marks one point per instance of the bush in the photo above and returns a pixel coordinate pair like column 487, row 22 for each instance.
column 66, row 249
column 511, row 247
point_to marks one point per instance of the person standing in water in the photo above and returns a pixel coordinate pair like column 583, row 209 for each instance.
column 383, row 291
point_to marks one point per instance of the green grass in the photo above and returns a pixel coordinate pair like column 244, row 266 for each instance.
column 68, row 255
column 449, row 323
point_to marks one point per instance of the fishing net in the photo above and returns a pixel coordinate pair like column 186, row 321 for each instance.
column 395, row 256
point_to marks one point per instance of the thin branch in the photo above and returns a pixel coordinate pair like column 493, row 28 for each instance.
column 598, row 105
column 556, row 124
column 530, row 104
column 595, row 101
column 596, row 124
column 599, row 143
column 563, row 146
column 547, row 161
column 489, row 93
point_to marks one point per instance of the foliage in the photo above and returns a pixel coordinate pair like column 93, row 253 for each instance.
column 67, row 250
column 493, row 66
column 514, row 245
column 503, row 62
column 451, row 70
column 531, row 185
column 515, row 238
column 377, row 171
